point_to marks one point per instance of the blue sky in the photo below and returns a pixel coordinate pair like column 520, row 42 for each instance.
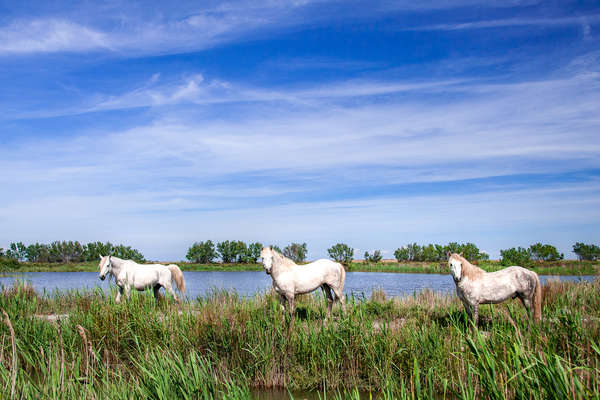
column 372, row 123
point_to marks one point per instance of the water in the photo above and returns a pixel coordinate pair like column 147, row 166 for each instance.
column 248, row 283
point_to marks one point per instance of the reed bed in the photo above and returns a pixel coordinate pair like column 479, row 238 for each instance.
column 83, row 345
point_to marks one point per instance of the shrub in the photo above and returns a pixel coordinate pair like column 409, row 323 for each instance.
column 341, row 253
column 373, row 258
column 295, row 251
column 515, row 256
column 202, row 252
column 8, row 264
column 586, row 251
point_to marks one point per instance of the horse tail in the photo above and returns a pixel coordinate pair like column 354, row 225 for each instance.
column 537, row 299
column 177, row 276
column 342, row 277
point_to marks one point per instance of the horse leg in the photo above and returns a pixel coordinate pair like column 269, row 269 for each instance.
column 292, row 310
column 169, row 288
column 282, row 301
column 119, row 294
column 327, row 291
column 127, row 289
column 528, row 306
column 475, row 315
column 156, row 291
column 340, row 297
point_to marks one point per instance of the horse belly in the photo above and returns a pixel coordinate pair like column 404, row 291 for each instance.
column 306, row 284
column 496, row 292
column 144, row 280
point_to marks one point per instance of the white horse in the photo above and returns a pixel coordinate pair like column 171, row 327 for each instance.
column 290, row 279
column 128, row 273
column 474, row 286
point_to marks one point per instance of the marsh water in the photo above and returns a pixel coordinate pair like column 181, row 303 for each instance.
column 248, row 283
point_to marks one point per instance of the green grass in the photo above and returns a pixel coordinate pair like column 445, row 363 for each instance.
column 564, row 267
column 227, row 346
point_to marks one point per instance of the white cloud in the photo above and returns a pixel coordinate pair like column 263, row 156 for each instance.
column 50, row 35
column 507, row 22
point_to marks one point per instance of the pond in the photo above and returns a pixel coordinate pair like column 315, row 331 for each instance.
column 248, row 283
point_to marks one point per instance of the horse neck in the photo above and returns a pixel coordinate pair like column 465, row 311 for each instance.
column 470, row 270
column 280, row 263
column 117, row 265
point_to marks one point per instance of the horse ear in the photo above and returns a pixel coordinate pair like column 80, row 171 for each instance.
column 100, row 257
column 271, row 247
column 460, row 254
column 449, row 254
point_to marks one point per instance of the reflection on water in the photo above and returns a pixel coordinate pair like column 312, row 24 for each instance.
column 248, row 283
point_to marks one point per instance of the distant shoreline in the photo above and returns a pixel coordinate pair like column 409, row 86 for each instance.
column 562, row 267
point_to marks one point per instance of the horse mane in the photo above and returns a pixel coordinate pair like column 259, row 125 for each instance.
column 469, row 270
column 283, row 260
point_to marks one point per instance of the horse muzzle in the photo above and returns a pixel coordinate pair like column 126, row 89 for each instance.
column 102, row 277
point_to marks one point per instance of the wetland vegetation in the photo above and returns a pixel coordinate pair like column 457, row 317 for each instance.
column 83, row 345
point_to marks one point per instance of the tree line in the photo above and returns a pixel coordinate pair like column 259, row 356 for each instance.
column 68, row 251
column 237, row 251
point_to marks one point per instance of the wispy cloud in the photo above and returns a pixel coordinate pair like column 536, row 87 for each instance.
column 50, row 35
column 129, row 28
column 508, row 22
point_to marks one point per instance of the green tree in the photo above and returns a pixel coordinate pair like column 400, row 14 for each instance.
column 586, row 251
column 429, row 253
column 469, row 251
column 341, row 253
column 296, row 252
column 544, row 252
column 402, row 254
column 128, row 253
column 515, row 256
column 38, row 252
column 227, row 251
column 373, row 258
column 252, row 253
column 202, row 252
column 17, row 251
column 93, row 250
column 415, row 252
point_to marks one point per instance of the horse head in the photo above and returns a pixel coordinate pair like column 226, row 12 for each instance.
column 455, row 265
column 105, row 267
column 267, row 259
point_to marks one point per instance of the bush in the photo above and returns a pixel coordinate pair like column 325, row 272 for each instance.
column 373, row 258
column 295, row 251
column 341, row 253
column 8, row 264
column 202, row 252
column 515, row 256
column 545, row 252
column 586, row 251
